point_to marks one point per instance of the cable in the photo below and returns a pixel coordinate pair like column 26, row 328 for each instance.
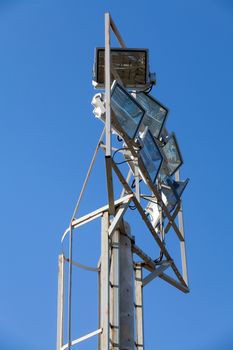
column 146, row 91
column 150, row 200
column 133, row 183
column 149, row 90
column 124, row 161
column 159, row 259
column 118, row 150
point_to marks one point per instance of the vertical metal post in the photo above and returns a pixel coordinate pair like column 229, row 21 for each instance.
column 104, row 283
column 108, row 150
column 139, row 307
column 108, row 85
column 70, row 276
column 126, row 294
column 114, row 291
column 60, row 303
column 99, row 302
column 182, row 243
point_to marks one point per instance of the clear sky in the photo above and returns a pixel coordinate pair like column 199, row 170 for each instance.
column 48, row 134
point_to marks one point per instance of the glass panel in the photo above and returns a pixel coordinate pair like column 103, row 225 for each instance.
column 130, row 65
column 172, row 155
column 128, row 113
column 150, row 155
column 174, row 193
column 155, row 113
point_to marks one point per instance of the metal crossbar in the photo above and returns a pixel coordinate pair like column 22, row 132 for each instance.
column 85, row 337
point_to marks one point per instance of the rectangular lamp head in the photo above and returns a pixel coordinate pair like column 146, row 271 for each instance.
column 131, row 65
column 150, row 155
column 156, row 114
column 173, row 191
column 127, row 113
column 172, row 156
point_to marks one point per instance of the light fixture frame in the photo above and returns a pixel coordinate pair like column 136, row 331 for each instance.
column 160, row 104
column 115, row 123
column 164, row 166
column 185, row 182
column 146, row 173
column 101, row 85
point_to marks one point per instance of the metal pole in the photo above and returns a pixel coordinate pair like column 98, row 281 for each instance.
column 139, row 307
column 114, row 291
column 70, row 271
column 108, row 149
column 60, row 303
column 104, row 284
column 108, row 85
column 126, row 294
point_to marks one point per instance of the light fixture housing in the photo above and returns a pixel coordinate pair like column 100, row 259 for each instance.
column 172, row 190
column 172, row 156
column 131, row 65
column 150, row 155
column 156, row 114
column 127, row 113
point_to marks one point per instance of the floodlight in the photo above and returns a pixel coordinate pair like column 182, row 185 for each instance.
column 171, row 192
column 150, row 155
column 155, row 115
column 131, row 65
column 172, row 156
column 128, row 114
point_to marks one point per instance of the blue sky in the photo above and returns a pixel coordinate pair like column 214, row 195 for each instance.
column 47, row 137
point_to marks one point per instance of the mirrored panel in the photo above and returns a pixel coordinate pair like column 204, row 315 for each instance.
column 172, row 190
column 126, row 110
column 155, row 115
column 150, row 155
column 172, row 156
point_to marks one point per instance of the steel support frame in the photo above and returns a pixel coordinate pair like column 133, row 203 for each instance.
column 148, row 223
column 108, row 269
column 109, row 325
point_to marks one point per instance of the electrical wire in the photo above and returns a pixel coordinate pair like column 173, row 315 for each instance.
column 124, row 161
column 159, row 259
column 118, row 150
column 146, row 91
column 150, row 200
column 133, row 183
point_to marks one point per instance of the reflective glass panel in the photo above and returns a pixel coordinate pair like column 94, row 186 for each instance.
column 130, row 65
column 128, row 112
column 172, row 155
column 155, row 115
column 150, row 155
column 175, row 191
